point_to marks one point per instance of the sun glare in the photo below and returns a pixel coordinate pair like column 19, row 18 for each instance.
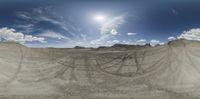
column 99, row 18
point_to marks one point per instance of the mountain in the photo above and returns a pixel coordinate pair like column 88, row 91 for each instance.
column 123, row 47
column 170, row 71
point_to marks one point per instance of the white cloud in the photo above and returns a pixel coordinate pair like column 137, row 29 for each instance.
column 52, row 34
column 131, row 33
column 154, row 42
column 61, row 23
column 31, row 38
column 171, row 38
column 161, row 43
column 111, row 42
column 193, row 34
column 24, row 15
column 108, row 29
column 11, row 35
column 112, row 24
column 116, row 41
column 113, row 32
column 141, row 42
column 28, row 28
column 46, row 14
column 44, row 18
column 127, row 42
column 100, row 41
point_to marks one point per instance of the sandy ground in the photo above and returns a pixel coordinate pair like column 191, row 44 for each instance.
column 170, row 71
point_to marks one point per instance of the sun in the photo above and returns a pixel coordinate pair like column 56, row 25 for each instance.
column 99, row 18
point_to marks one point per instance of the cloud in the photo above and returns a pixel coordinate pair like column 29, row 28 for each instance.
column 174, row 12
column 193, row 34
column 161, row 43
column 30, row 38
column 11, row 35
column 31, row 22
column 52, row 34
column 69, row 28
column 53, row 21
column 171, row 38
column 113, row 32
column 116, row 41
column 24, row 15
column 102, row 41
column 154, row 42
column 126, row 42
column 112, row 24
column 108, row 29
column 46, row 14
column 28, row 28
column 141, row 42
column 111, row 42
column 131, row 33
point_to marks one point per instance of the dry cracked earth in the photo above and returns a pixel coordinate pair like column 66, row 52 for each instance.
column 170, row 71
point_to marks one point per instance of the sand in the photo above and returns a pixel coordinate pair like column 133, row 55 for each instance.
column 170, row 71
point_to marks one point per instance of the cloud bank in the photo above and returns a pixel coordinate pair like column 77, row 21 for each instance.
column 154, row 42
column 193, row 34
column 171, row 38
column 7, row 34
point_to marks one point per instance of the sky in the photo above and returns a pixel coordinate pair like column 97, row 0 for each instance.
column 93, row 23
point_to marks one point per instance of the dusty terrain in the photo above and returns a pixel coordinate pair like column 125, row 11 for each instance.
column 170, row 71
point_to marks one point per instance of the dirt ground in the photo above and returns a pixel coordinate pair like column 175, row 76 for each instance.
column 170, row 71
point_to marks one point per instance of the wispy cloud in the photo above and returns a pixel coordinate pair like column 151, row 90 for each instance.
column 73, row 35
column 108, row 32
column 52, row 34
column 24, row 15
column 112, row 24
column 174, row 11
column 102, row 41
column 11, row 35
column 46, row 15
column 28, row 28
column 131, row 33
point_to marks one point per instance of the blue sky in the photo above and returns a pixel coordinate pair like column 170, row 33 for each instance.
column 93, row 23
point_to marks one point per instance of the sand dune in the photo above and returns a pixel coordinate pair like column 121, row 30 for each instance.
column 170, row 71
